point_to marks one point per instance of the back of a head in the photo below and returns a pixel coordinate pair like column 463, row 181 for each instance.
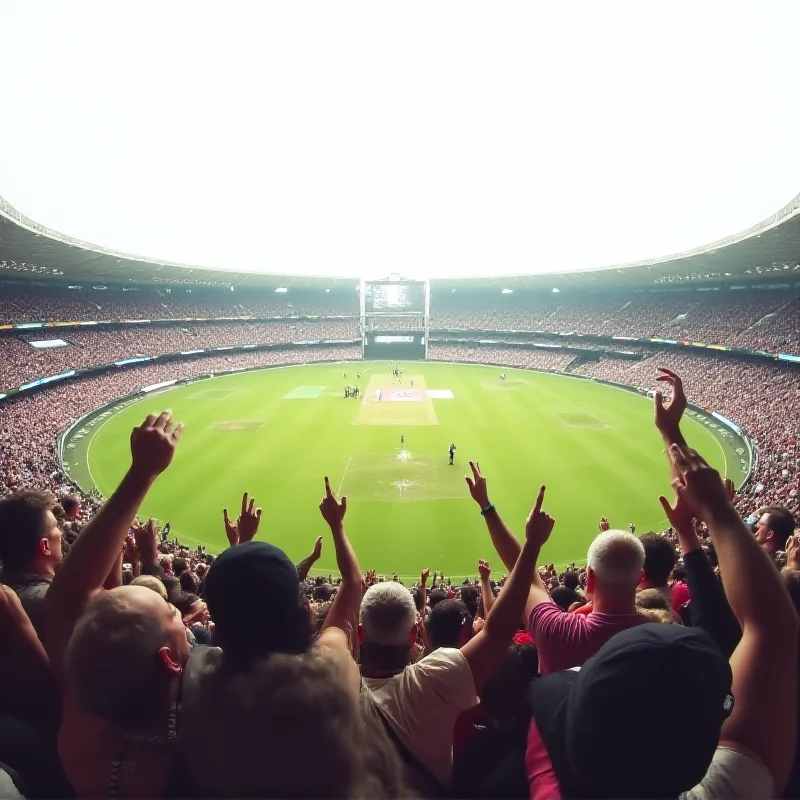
column 677, row 681
column 616, row 559
column 470, row 596
column 659, row 558
column 172, row 585
column 269, row 720
column 446, row 623
column 436, row 596
column 564, row 597
column 253, row 596
column 23, row 523
column 571, row 579
column 188, row 581
column 652, row 600
column 111, row 661
column 388, row 614
column 152, row 583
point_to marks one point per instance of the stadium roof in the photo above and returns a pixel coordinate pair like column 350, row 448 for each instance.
column 768, row 251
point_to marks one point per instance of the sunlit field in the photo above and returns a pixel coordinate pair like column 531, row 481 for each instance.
column 276, row 433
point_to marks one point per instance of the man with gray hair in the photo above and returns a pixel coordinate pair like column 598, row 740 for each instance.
column 614, row 569
column 418, row 704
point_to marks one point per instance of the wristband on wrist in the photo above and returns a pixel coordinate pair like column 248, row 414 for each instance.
column 487, row 508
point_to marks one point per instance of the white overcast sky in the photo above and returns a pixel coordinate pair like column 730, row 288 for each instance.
column 427, row 138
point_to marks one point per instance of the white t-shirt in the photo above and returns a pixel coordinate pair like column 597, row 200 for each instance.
column 423, row 702
column 733, row 775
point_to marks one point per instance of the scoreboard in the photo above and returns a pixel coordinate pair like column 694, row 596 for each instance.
column 394, row 346
column 394, row 297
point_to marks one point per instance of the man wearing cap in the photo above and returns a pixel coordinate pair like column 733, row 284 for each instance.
column 586, row 737
column 253, row 595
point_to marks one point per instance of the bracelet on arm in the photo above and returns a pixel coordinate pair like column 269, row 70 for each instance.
column 487, row 508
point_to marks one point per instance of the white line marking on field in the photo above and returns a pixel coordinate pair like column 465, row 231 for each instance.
column 95, row 431
column 341, row 482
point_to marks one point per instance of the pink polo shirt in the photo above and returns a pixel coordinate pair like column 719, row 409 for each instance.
column 568, row 640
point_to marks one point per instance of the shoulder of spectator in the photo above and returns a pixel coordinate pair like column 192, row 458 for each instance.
column 547, row 618
column 447, row 673
column 333, row 645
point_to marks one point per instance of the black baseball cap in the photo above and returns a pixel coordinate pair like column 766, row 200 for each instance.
column 253, row 595
column 641, row 718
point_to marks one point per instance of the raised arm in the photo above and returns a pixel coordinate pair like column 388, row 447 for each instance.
column 710, row 609
column 668, row 417
column 340, row 624
column 94, row 552
column 487, row 595
column 505, row 543
column 487, row 650
column 764, row 664
column 304, row 567
column 423, row 590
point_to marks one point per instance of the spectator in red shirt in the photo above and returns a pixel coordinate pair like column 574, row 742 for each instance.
column 564, row 640
column 614, row 570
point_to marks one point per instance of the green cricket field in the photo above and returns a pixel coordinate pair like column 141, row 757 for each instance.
column 275, row 433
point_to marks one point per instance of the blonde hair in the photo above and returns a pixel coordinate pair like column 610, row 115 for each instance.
column 152, row 583
column 269, row 720
column 658, row 615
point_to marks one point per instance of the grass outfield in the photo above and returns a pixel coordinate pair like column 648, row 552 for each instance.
column 275, row 433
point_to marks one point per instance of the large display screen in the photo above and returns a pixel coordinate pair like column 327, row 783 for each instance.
column 402, row 347
column 394, row 297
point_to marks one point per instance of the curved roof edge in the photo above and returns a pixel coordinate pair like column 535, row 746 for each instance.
column 783, row 215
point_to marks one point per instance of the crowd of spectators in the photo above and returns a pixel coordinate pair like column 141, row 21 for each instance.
column 42, row 304
column 23, row 362
column 665, row 667
column 513, row 357
column 762, row 398
column 30, row 424
column 756, row 320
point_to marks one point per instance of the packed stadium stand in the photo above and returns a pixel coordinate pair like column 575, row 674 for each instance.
column 753, row 319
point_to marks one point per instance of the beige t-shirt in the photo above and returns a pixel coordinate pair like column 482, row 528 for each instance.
column 422, row 704
column 733, row 774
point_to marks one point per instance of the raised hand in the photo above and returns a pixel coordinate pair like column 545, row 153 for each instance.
column 699, row 485
column 153, row 444
column 147, row 543
column 231, row 531
column 484, row 570
column 331, row 509
column 317, row 548
column 668, row 416
column 477, row 485
column 249, row 520
column 540, row 523
column 605, row 525
column 681, row 516
column 246, row 526
column 423, row 576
